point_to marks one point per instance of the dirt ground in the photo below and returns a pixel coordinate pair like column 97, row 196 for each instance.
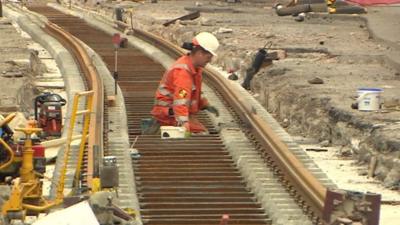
column 351, row 176
column 338, row 49
column 15, row 72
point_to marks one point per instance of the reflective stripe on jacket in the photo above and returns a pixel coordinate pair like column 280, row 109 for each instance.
column 179, row 89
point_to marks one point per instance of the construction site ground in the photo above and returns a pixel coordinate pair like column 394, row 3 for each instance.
column 15, row 72
column 347, row 52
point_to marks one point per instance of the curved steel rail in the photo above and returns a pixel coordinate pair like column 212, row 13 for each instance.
column 310, row 189
column 306, row 185
column 94, row 83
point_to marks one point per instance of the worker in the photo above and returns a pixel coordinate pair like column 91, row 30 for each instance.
column 178, row 96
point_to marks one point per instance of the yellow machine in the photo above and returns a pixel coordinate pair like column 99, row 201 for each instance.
column 26, row 193
column 5, row 165
column 26, row 196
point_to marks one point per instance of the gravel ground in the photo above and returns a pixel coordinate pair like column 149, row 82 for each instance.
column 339, row 50
column 349, row 175
column 15, row 73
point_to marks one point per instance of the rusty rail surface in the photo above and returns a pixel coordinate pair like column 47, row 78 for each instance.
column 94, row 83
column 136, row 79
column 310, row 189
column 191, row 181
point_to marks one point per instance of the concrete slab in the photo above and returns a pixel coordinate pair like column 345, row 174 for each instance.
column 50, row 84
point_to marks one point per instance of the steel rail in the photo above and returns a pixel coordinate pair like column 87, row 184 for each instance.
column 138, row 79
column 310, row 189
column 304, row 182
column 295, row 173
column 94, row 82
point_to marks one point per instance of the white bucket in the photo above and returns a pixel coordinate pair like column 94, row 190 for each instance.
column 369, row 99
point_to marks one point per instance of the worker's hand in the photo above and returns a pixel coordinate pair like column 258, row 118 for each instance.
column 213, row 110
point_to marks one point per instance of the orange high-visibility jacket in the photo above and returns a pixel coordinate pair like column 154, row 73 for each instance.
column 179, row 90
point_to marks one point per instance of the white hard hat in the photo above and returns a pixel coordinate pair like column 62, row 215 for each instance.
column 207, row 41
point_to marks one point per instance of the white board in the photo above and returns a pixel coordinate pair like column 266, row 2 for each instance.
column 77, row 214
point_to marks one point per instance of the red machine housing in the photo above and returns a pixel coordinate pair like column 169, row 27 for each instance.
column 48, row 113
column 39, row 158
column 50, row 118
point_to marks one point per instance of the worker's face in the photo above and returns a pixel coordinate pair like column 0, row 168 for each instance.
column 202, row 58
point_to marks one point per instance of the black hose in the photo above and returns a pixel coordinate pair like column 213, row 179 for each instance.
column 305, row 2
column 319, row 7
column 255, row 67
column 118, row 13
column 35, row 106
column 353, row 9
column 304, row 6
column 310, row 2
column 287, row 11
column 259, row 59
column 247, row 80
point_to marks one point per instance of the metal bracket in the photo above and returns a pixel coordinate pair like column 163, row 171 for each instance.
column 351, row 207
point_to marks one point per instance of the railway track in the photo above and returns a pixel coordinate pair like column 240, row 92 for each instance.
column 197, row 180
column 168, row 193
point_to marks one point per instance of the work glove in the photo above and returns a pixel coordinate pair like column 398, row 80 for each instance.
column 212, row 110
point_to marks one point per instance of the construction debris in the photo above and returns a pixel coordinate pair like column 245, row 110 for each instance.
column 317, row 149
column 51, row 84
column 210, row 9
column 106, row 211
column 36, row 65
column 99, row 209
column 295, row 8
column 12, row 74
column 190, row 16
column 207, row 22
column 316, row 80
column 391, row 102
column 349, row 207
column 223, row 30
column 233, row 75
column 69, row 216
